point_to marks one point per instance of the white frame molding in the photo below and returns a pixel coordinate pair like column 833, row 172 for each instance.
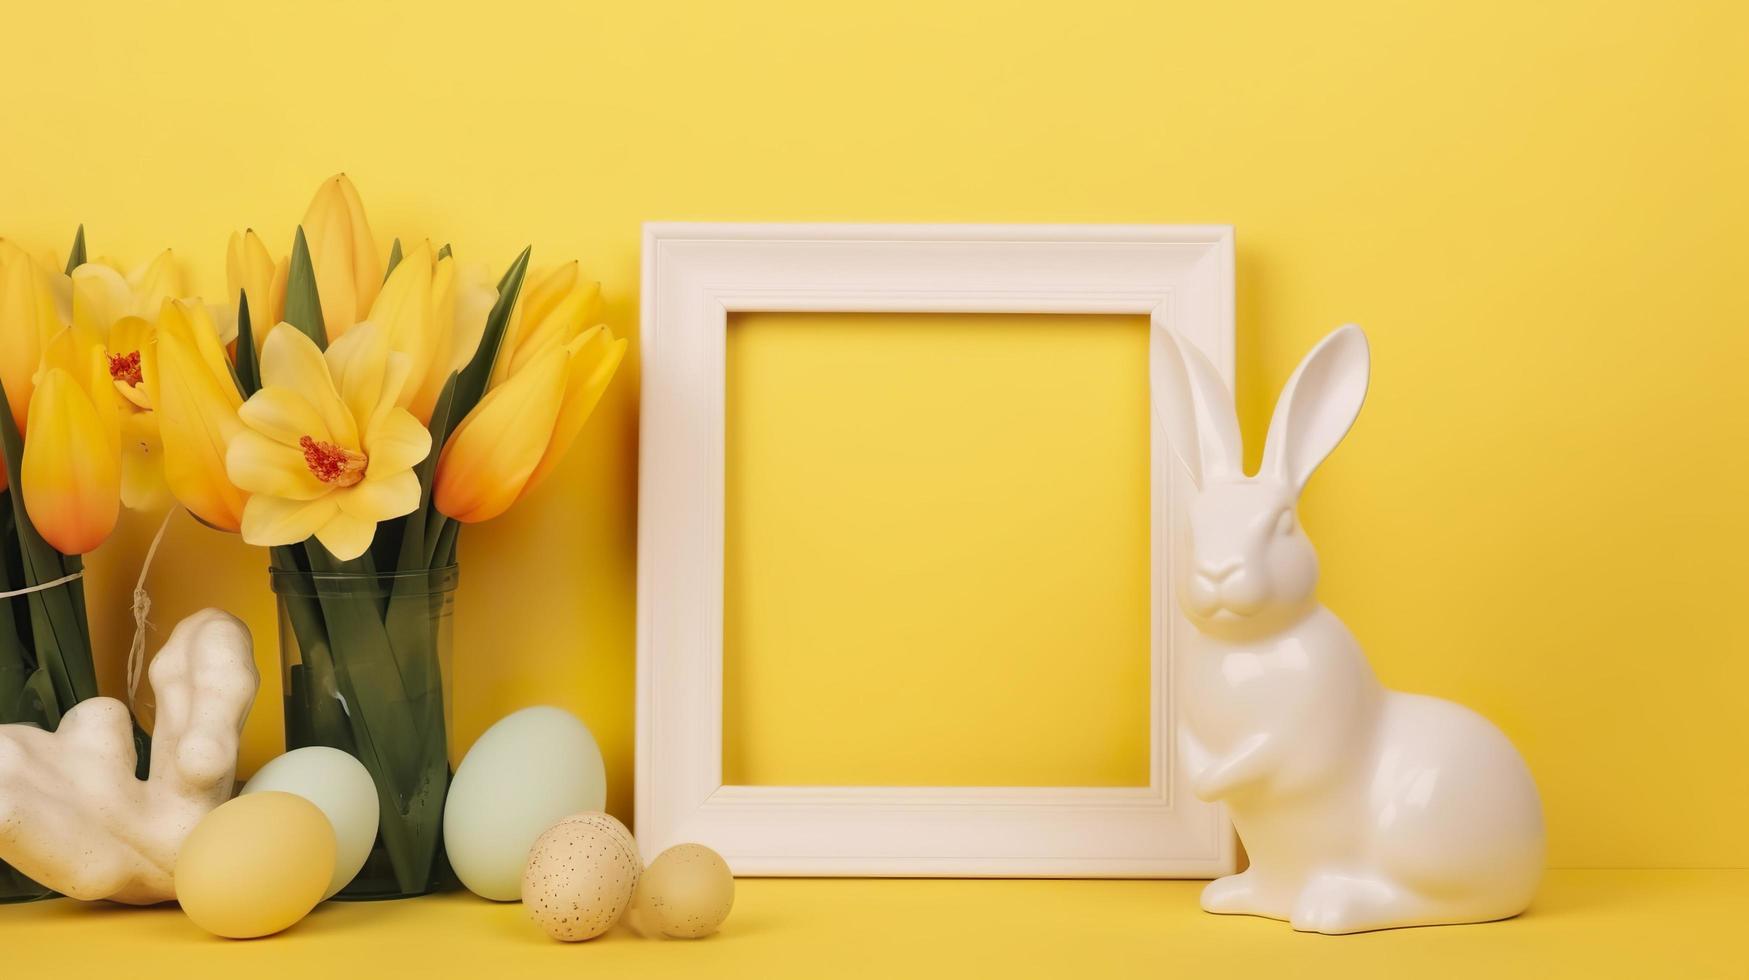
column 694, row 277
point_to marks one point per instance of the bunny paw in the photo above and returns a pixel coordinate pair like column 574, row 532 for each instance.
column 1337, row 904
column 1232, row 895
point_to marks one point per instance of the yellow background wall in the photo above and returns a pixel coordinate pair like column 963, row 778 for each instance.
column 1537, row 210
column 935, row 550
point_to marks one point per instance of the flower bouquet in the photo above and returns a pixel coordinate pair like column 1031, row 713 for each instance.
column 79, row 440
column 361, row 415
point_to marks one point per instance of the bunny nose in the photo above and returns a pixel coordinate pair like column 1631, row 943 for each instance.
column 1216, row 576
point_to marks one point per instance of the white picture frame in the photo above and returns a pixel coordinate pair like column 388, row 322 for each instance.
column 694, row 277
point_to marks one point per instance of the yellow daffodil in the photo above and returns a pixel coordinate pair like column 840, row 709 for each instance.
column 250, row 271
column 196, row 401
column 130, row 355
column 434, row 312
column 548, row 377
column 143, row 291
column 343, row 254
column 326, row 449
column 29, row 319
column 154, row 283
column 107, row 311
column 71, row 471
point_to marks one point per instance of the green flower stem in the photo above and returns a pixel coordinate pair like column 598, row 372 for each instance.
column 379, row 651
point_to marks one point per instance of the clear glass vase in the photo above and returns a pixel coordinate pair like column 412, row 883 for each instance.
column 365, row 661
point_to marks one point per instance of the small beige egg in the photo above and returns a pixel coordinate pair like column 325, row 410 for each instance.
column 686, row 893
column 580, row 876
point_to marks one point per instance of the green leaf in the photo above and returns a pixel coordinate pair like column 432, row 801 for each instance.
column 38, row 700
column 444, row 553
column 76, row 255
column 248, row 363
column 513, row 271
column 303, row 307
column 444, row 252
column 471, row 384
column 394, row 259
column 424, row 522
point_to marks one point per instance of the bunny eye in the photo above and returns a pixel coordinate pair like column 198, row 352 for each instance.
column 1284, row 522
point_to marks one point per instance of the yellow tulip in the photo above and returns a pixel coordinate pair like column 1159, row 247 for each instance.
column 196, row 402
column 326, row 450
column 462, row 299
column 556, row 311
column 404, row 309
column 70, row 471
column 434, row 312
column 517, row 433
column 343, row 254
column 250, row 271
column 29, row 319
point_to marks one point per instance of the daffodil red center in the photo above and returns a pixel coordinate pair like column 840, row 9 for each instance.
column 333, row 464
column 126, row 368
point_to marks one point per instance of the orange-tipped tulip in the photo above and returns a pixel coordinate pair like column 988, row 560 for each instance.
column 197, row 402
column 343, row 254
column 521, row 429
column 491, row 455
column 71, row 468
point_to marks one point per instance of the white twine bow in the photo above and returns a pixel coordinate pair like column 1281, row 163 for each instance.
column 142, row 607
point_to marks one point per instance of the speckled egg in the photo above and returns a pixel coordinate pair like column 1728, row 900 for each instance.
column 684, row 894
column 580, row 876
column 606, row 824
column 255, row 865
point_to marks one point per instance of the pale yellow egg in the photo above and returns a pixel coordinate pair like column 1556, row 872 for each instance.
column 580, row 876
column 255, row 865
column 684, row 894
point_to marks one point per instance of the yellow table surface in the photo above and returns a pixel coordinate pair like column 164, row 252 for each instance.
column 1654, row 924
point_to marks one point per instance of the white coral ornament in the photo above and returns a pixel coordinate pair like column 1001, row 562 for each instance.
column 72, row 814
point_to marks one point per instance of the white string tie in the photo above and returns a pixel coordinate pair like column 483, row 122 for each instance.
column 63, row 580
column 142, row 608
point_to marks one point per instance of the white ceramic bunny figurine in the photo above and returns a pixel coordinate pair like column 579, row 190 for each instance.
column 1361, row 808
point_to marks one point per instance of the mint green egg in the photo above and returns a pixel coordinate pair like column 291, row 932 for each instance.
column 527, row 772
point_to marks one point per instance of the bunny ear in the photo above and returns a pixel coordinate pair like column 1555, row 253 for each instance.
column 1319, row 404
column 1194, row 405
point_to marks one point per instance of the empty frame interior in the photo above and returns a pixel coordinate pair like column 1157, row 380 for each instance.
column 936, row 550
